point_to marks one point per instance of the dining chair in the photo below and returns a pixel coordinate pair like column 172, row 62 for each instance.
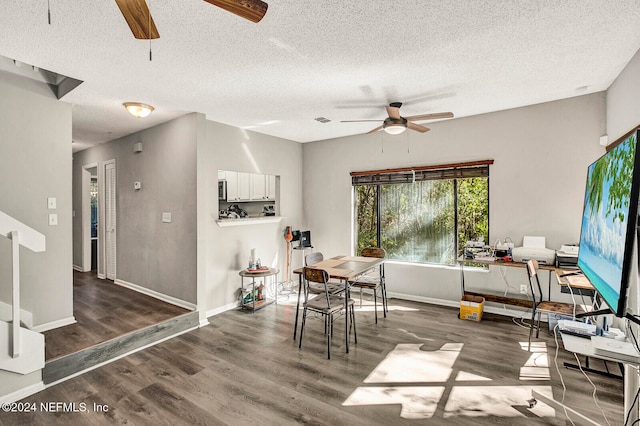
column 540, row 306
column 326, row 304
column 335, row 287
column 374, row 281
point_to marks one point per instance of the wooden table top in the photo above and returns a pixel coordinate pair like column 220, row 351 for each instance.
column 259, row 273
column 573, row 281
column 345, row 267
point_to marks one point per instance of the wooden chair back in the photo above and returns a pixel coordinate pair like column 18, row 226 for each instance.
column 378, row 252
column 532, row 271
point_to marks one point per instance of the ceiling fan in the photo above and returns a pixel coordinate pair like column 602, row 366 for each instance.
column 139, row 19
column 395, row 124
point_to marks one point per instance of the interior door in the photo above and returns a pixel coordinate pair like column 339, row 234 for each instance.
column 110, row 220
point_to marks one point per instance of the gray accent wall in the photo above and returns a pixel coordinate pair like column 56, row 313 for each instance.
column 35, row 149
column 541, row 154
column 157, row 256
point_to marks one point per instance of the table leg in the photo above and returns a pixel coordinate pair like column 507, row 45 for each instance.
column 346, row 314
column 295, row 326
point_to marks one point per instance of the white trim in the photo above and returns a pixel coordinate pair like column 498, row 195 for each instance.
column 64, row 379
column 102, row 276
column 54, row 324
column 249, row 221
column 22, row 393
column 203, row 323
column 221, row 309
column 77, row 268
column 456, row 304
column 169, row 299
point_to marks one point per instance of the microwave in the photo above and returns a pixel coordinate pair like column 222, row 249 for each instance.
column 222, row 190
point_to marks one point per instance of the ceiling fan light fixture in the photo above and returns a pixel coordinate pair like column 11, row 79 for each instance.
column 395, row 128
column 138, row 109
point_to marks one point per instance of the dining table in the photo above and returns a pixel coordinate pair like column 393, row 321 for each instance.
column 345, row 269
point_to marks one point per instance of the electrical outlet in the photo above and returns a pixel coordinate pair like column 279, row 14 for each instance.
column 523, row 289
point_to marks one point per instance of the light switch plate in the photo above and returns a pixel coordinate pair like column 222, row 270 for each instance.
column 51, row 203
column 166, row 217
column 53, row 219
column 137, row 185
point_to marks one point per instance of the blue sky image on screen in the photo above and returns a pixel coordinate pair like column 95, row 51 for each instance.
column 604, row 220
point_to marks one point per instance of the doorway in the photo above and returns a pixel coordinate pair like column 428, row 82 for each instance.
column 90, row 217
column 110, row 218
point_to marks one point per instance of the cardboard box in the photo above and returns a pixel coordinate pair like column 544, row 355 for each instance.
column 471, row 307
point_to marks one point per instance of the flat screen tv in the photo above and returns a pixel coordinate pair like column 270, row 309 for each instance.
column 609, row 220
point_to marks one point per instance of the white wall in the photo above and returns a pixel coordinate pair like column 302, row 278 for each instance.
column 35, row 149
column 223, row 252
column 541, row 154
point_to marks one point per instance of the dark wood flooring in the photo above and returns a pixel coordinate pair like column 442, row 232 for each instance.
column 244, row 369
column 104, row 311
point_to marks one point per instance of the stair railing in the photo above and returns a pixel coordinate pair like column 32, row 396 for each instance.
column 20, row 235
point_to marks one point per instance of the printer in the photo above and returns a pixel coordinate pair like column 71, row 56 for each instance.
column 567, row 256
column 534, row 248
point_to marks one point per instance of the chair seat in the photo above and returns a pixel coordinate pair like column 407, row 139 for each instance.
column 316, row 288
column 366, row 282
column 559, row 308
column 320, row 304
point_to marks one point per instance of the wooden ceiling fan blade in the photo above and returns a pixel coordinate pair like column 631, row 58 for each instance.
column 375, row 130
column 434, row 116
column 417, row 127
column 356, row 121
column 253, row 10
column 394, row 112
column 139, row 19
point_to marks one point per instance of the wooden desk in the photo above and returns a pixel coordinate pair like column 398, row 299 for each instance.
column 345, row 269
column 489, row 297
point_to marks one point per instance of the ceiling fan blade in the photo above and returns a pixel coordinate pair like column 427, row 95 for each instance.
column 357, row 121
column 139, row 19
column 417, row 127
column 253, row 10
column 375, row 130
column 394, row 112
column 433, row 116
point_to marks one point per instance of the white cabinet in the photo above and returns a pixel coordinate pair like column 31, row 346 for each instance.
column 258, row 187
column 243, row 186
column 238, row 186
column 271, row 187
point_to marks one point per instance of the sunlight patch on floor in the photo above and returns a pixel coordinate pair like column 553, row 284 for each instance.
column 407, row 363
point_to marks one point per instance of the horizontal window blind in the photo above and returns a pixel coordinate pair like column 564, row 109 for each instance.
column 422, row 173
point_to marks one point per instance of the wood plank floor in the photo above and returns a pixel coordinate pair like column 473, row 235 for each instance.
column 244, row 368
column 104, row 311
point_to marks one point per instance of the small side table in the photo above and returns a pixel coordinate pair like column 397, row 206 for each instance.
column 254, row 304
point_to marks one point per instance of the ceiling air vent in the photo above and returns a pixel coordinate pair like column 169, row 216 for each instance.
column 323, row 119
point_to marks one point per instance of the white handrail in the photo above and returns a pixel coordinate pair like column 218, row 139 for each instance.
column 29, row 237
column 20, row 235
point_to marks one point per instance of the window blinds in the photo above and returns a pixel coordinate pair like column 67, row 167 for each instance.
column 422, row 173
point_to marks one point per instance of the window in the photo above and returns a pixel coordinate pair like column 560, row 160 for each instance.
column 424, row 214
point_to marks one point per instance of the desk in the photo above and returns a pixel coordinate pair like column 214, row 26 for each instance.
column 514, row 301
column 343, row 268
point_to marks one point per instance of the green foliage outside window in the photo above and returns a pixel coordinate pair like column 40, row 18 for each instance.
column 417, row 221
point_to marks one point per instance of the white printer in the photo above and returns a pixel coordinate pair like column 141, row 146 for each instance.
column 534, row 248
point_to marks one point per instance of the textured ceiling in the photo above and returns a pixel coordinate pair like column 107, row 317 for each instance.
column 307, row 59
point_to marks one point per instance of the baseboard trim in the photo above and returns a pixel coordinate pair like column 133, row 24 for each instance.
column 22, row 393
column 77, row 268
column 160, row 296
column 456, row 304
column 54, row 324
column 203, row 323
column 102, row 276
column 221, row 309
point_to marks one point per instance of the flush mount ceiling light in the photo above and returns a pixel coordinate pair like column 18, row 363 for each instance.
column 394, row 126
column 137, row 109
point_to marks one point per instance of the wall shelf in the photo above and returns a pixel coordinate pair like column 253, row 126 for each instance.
column 249, row 221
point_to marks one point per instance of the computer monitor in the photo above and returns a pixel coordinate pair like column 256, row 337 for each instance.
column 305, row 239
column 296, row 235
